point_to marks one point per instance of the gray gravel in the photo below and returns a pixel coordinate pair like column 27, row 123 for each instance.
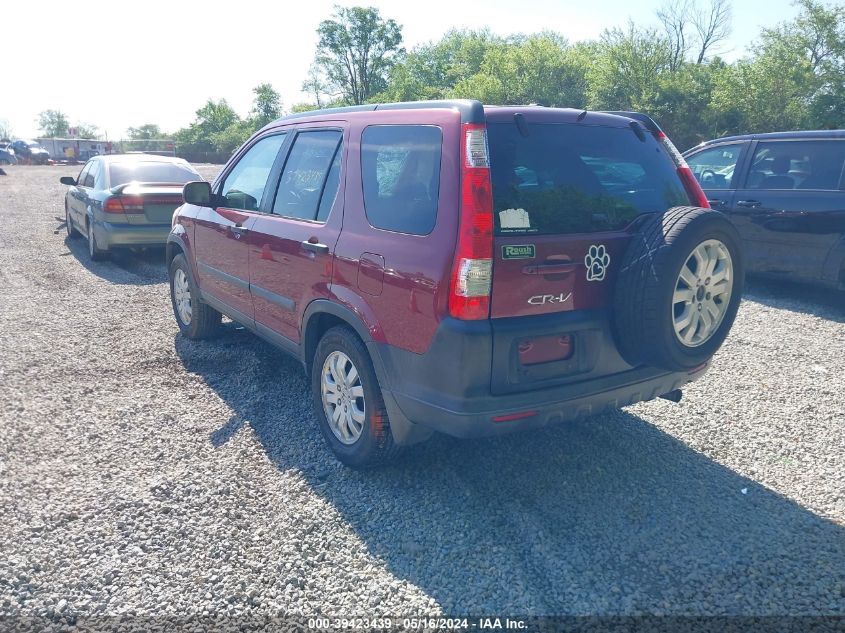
column 144, row 474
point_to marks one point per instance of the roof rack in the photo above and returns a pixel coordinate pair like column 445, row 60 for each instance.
column 471, row 110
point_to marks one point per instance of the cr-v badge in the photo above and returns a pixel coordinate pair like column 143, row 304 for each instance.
column 597, row 261
column 539, row 300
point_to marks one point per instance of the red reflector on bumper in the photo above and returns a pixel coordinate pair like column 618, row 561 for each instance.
column 514, row 416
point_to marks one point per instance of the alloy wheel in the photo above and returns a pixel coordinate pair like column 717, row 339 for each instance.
column 702, row 293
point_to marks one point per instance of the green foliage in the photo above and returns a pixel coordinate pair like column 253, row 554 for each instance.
column 794, row 78
column 87, row 130
column 536, row 69
column 626, row 70
column 145, row 132
column 212, row 120
column 266, row 107
column 356, row 51
column 53, row 123
column 303, row 107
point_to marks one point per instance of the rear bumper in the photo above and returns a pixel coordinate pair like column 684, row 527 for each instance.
column 448, row 388
column 541, row 408
column 112, row 235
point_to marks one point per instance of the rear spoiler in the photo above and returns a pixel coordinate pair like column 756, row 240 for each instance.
column 649, row 123
column 119, row 189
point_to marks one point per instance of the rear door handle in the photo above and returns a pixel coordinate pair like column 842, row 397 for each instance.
column 239, row 229
column 749, row 204
column 716, row 203
column 315, row 247
column 549, row 269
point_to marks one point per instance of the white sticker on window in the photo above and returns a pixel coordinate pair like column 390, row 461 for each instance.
column 514, row 219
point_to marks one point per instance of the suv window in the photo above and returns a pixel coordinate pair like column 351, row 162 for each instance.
column 244, row 185
column 797, row 165
column 304, row 177
column 571, row 178
column 714, row 167
column 400, row 169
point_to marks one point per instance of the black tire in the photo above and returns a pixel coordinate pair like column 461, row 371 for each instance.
column 375, row 445
column 643, row 316
column 204, row 320
column 96, row 253
column 72, row 233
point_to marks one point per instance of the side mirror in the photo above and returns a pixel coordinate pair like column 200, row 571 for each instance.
column 67, row 180
column 198, row 193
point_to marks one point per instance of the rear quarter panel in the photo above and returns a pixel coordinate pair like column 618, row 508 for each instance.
column 414, row 293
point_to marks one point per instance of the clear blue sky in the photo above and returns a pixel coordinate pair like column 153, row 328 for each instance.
column 121, row 64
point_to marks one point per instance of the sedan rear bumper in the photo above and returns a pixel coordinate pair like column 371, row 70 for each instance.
column 115, row 235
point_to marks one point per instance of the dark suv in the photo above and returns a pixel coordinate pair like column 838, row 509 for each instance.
column 445, row 266
column 31, row 152
column 785, row 192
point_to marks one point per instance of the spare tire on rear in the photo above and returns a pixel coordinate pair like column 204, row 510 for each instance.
column 678, row 289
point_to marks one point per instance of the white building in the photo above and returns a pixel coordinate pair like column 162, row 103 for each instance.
column 73, row 148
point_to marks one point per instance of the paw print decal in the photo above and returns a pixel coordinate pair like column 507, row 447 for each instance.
column 597, row 261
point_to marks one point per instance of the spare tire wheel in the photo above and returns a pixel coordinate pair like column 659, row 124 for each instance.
column 678, row 289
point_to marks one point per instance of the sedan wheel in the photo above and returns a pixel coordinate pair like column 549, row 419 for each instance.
column 71, row 232
column 343, row 397
column 94, row 251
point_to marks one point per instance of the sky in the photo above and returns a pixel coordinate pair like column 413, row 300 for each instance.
column 117, row 64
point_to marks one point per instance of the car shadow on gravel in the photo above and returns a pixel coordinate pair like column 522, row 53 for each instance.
column 787, row 295
column 606, row 515
column 138, row 267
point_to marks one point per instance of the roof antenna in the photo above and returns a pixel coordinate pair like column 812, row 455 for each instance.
column 581, row 116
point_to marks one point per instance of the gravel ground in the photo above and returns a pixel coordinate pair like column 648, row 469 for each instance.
column 145, row 475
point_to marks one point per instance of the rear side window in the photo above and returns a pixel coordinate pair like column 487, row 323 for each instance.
column 305, row 174
column 400, row 169
column 91, row 174
column 797, row 165
column 572, row 178
column 80, row 180
column 149, row 171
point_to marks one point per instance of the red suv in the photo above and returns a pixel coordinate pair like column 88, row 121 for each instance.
column 446, row 266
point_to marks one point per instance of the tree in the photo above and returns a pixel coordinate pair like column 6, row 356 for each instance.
column 87, row 130
column 817, row 35
column 53, row 123
column 314, row 85
column 540, row 68
column 712, row 25
column 5, row 129
column 266, row 107
column 625, row 72
column 144, row 132
column 355, row 52
column 688, row 26
column 674, row 16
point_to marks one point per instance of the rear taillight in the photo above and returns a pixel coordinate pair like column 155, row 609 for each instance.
column 693, row 189
column 472, row 271
column 124, row 204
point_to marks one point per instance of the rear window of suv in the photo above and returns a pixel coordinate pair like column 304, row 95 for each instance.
column 575, row 178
